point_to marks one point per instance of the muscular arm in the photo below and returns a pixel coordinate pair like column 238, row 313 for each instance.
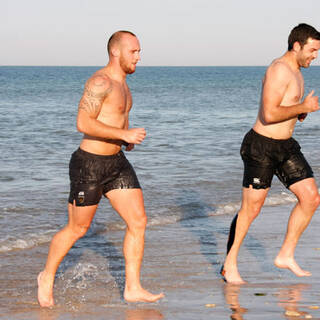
column 96, row 90
column 275, row 86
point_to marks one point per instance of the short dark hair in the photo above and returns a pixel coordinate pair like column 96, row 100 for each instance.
column 116, row 38
column 301, row 33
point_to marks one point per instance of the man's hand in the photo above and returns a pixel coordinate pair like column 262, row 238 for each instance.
column 311, row 102
column 134, row 135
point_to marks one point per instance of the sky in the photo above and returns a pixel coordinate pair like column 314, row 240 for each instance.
column 171, row 32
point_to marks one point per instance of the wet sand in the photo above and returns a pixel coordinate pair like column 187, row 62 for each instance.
column 182, row 260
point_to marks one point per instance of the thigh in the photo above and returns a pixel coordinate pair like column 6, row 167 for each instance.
column 305, row 189
column 258, row 177
column 294, row 169
column 85, row 176
column 124, row 178
column 129, row 204
column 258, row 166
column 81, row 216
column 253, row 199
column 85, row 194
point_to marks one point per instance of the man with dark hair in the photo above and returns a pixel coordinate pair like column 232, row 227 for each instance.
column 301, row 33
column 99, row 167
column 269, row 149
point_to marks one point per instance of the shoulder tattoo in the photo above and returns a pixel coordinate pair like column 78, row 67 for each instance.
column 95, row 91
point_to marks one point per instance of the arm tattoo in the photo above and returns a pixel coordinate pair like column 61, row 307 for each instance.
column 93, row 97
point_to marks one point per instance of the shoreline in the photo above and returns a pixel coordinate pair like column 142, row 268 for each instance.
column 183, row 261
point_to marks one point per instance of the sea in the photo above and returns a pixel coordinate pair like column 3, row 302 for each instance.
column 189, row 165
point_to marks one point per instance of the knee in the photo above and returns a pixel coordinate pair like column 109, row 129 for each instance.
column 252, row 210
column 139, row 224
column 78, row 231
column 316, row 200
column 311, row 199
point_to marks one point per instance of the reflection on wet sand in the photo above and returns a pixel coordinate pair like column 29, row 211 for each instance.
column 143, row 314
column 47, row 314
column 231, row 295
column 130, row 314
column 289, row 299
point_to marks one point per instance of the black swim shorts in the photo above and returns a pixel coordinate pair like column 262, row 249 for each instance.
column 92, row 176
column 263, row 157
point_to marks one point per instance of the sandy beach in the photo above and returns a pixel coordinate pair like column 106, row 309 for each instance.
column 182, row 260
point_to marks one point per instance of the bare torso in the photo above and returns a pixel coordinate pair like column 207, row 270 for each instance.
column 113, row 112
column 293, row 94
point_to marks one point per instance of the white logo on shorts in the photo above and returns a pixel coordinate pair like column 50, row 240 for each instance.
column 81, row 196
column 256, row 180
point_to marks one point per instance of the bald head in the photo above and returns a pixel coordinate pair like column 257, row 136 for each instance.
column 116, row 38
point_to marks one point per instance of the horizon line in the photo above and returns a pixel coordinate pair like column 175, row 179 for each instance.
column 151, row 66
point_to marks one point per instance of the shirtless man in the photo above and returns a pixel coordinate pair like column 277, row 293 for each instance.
column 99, row 167
column 269, row 149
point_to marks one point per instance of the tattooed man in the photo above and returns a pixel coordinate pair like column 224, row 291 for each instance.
column 99, row 167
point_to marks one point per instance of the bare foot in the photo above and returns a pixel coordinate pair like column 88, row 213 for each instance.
column 45, row 296
column 141, row 295
column 231, row 275
column 290, row 263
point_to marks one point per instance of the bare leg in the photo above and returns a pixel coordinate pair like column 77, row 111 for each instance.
column 79, row 221
column 129, row 204
column 308, row 201
column 252, row 201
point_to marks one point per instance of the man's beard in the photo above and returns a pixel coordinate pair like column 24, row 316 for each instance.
column 125, row 67
column 305, row 62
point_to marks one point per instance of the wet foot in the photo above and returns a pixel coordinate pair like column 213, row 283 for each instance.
column 45, row 296
column 141, row 295
column 290, row 263
column 231, row 275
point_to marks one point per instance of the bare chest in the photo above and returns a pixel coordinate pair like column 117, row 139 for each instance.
column 118, row 101
column 295, row 90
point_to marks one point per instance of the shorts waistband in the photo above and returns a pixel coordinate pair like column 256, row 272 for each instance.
column 267, row 139
column 90, row 155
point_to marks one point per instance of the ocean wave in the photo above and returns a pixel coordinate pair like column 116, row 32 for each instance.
column 273, row 200
column 13, row 209
column 29, row 241
column 176, row 214
column 192, row 211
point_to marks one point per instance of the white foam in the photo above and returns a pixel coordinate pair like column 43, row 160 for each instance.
column 282, row 198
column 29, row 241
column 228, row 208
column 164, row 220
column 80, row 275
column 273, row 200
